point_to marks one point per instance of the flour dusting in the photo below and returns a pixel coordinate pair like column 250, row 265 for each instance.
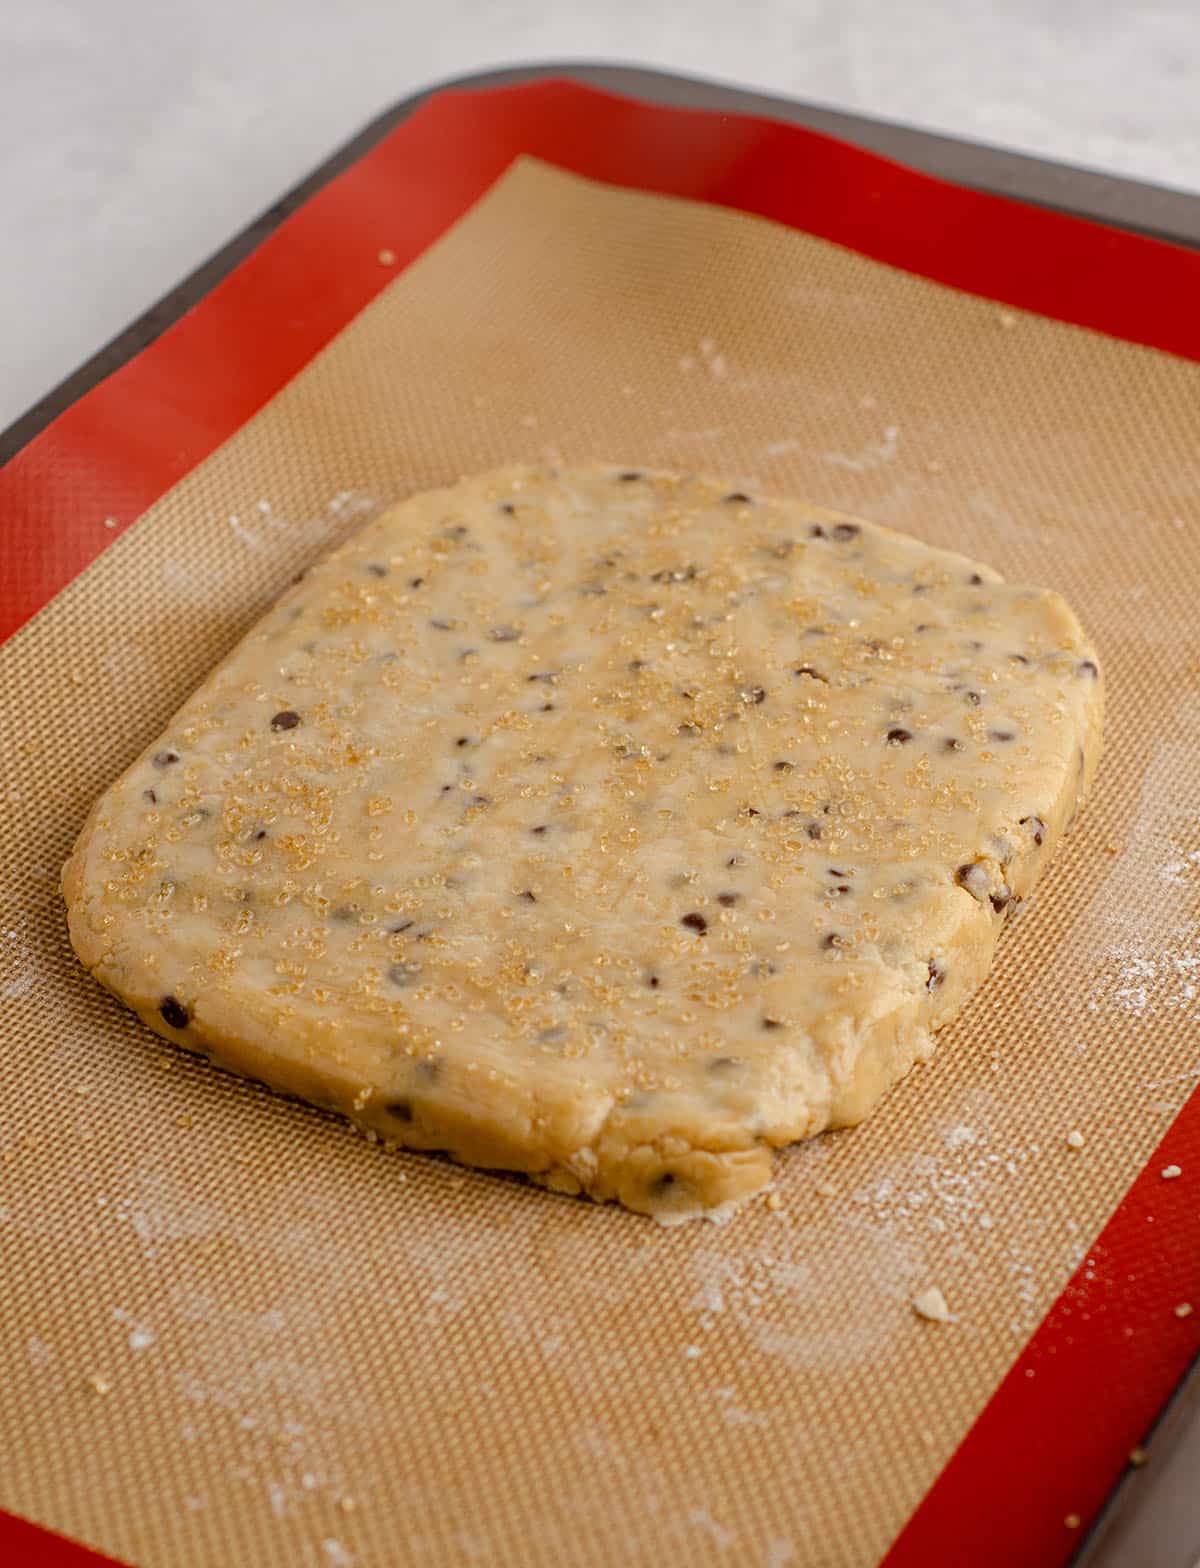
column 874, row 455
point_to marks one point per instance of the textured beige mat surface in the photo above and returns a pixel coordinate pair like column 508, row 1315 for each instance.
column 230, row 1329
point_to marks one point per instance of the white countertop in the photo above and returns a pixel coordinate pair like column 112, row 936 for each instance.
column 137, row 136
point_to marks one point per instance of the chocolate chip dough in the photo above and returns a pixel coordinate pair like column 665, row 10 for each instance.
column 609, row 826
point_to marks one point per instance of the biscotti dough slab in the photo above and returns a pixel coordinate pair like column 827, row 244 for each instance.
column 614, row 827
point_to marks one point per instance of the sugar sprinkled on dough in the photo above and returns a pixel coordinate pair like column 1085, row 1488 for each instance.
column 611, row 826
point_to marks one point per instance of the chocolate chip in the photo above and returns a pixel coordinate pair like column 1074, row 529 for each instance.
column 403, row 925
column 785, row 767
column 728, row 900
column 736, row 498
column 816, row 532
column 376, row 570
column 1019, row 658
column 662, row 1184
column 653, row 982
column 508, row 508
column 972, row 699
column 481, row 800
column 637, row 664
column 675, row 574
column 831, row 940
column 1000, row 901
column 840, row 875
column 695, row 922
column 544, row 827
column 898, row 736
column 753, row 694
column 841, row 889
column 843, row 531
column 1036, row 827
column 174, row 1012
column 936, row 975
column 951, row 743
column 722, row 1064
column 440, row 624
column 971, row 876
column 543, row 675
column 400, row 1109
column 416, row 582
column 925, row 626
column 1002, row 735
column 503, row 634
column 813, row 829
column 771, row 1024
column 975, row 580
column 285, row 720
column 547, row 707
column 1089, row 668
column 150, row 797
column 736, row 860
column 463, row 740
column 403, row 974
column 529, row 897
column 629, row 476
column 164, row 759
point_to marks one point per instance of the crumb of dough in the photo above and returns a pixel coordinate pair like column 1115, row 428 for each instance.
column 1072, row 1521
column 825, row 1189
column 930, row 1304
column 1138, row 1457
column 773, row 1202
column 1169, row 1172
column 1184, row 1309
column 387, row 258
column 99, row 1384
column 1075, row 1139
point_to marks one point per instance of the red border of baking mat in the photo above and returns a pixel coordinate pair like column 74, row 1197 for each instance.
column 1054, row 1437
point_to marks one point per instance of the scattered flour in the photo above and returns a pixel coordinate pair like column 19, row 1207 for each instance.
column 713, row 1528
column 873, row 455
column 258, row 530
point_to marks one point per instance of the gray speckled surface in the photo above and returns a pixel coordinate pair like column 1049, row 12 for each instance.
column 135, row 138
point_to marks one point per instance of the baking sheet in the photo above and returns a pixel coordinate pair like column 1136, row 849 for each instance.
column 233, row 1329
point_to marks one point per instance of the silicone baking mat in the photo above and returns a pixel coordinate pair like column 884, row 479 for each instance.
column 232, row 1331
